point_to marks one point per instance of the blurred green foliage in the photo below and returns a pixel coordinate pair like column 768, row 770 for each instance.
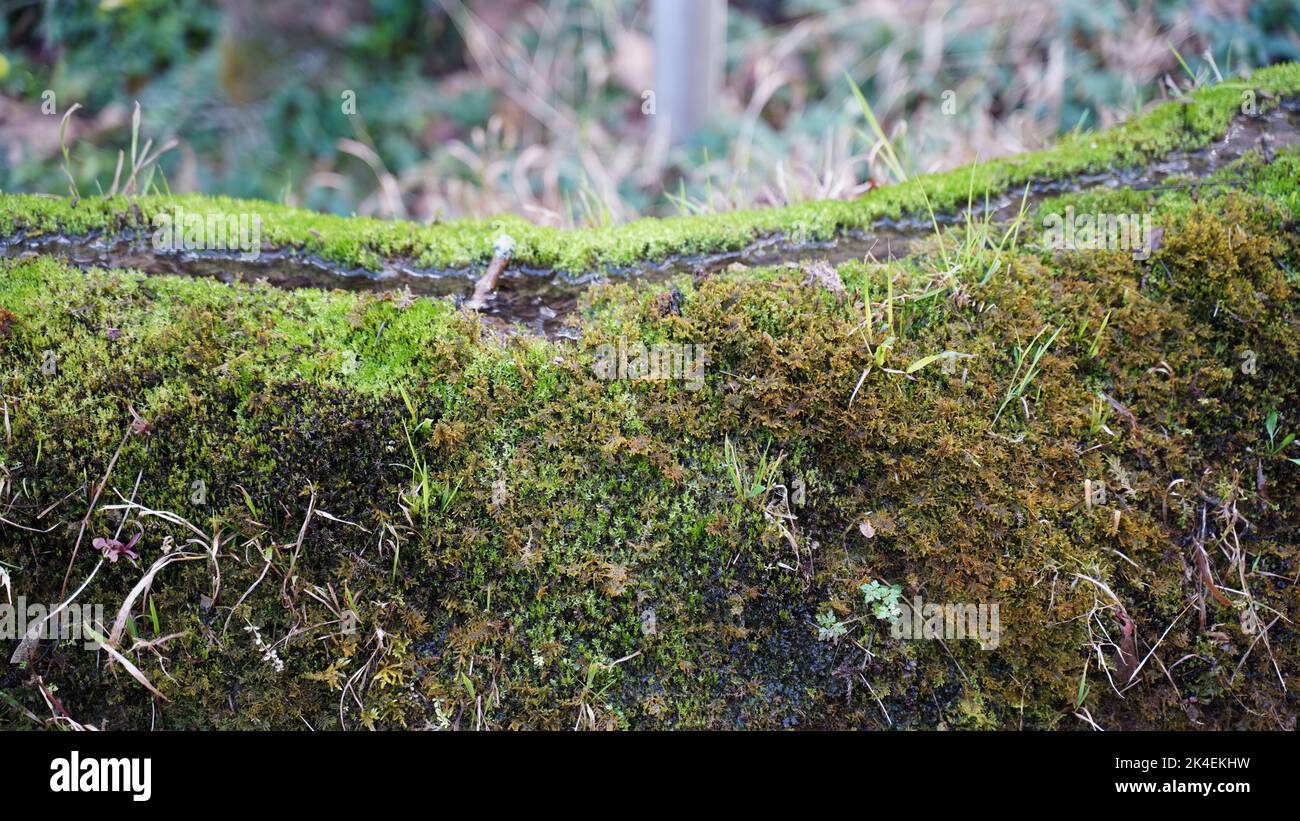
column 255, row 91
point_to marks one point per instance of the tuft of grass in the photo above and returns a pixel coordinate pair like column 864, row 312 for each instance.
column 63, row 149
column 880, row 142
column 1094, row 347
column 417, row 497
column 746, row 484
column 1027, row 361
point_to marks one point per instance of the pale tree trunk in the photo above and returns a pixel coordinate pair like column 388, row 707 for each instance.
column 689, row 37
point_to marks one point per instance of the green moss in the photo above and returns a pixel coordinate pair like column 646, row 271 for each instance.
column 522, row 544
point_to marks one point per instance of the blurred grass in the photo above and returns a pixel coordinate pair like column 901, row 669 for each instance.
column 535, row 108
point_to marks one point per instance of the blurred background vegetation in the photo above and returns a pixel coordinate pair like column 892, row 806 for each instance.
column 474, row 108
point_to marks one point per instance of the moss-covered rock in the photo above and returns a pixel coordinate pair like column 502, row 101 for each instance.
column 372, row 512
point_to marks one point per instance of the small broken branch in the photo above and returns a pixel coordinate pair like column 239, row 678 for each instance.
column 487, row 284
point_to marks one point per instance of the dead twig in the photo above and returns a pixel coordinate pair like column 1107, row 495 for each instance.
column 487, row 284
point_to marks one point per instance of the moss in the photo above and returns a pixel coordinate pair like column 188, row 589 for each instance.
column 518, row 543
column 368, row 243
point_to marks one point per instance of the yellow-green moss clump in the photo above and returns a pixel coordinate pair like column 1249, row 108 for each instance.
column 402, row 521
